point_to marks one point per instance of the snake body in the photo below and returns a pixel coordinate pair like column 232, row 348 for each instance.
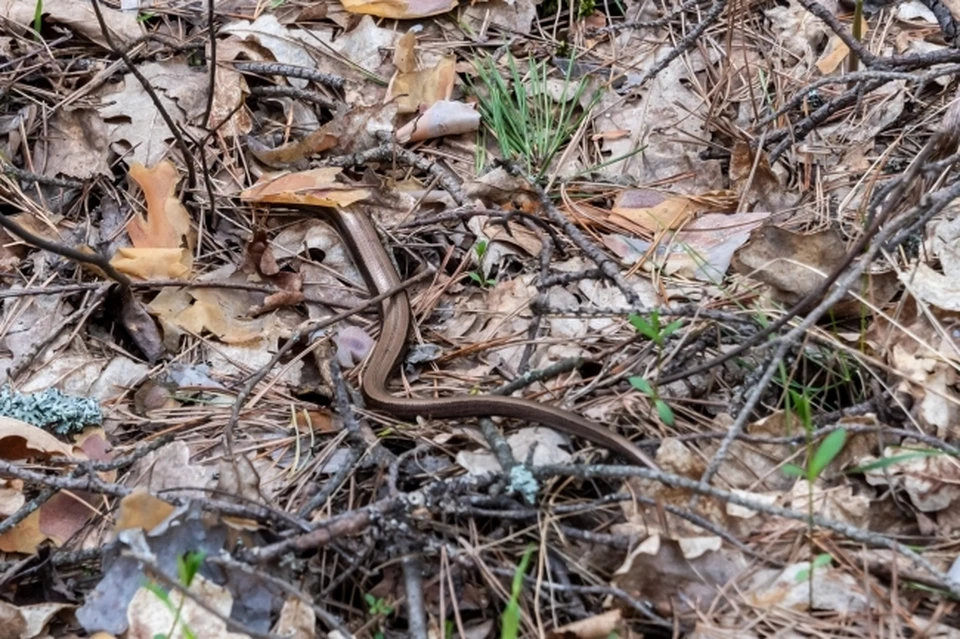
column 374, row 263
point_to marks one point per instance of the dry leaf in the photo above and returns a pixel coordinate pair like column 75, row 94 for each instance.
column 400, row 9
column 316, row 187
column 153, row 263
column 653, row 211
column 149, row 616
column 445, row 117
column 20, row 440
column 79, row 17
column 794, row 265
column 168, row 224
column 326, row 137
column 405, row 54
column 25, row 537
column 421, row 89
column 297, row 620
column 141, row 510
column 75, row 144
column 596, row 627
column 758, row 186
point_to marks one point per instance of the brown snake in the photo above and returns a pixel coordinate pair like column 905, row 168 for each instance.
column 374, row 263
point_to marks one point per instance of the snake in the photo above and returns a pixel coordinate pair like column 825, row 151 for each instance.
column 356, row 228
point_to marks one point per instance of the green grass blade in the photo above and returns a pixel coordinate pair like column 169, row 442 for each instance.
column 828, row 449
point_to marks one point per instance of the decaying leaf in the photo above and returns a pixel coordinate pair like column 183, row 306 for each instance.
column 658, row 571
column 795, row 264
column 756, row 183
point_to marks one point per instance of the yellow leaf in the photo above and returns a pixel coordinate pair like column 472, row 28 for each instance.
column 399, row 9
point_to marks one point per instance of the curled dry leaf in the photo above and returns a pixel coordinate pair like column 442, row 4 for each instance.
column 316, row 187
column 19, row 440
column 445, row 117
column 324, row 138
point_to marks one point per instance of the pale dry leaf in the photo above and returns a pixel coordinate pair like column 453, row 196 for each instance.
column 11, row 496
column 658, row 128
column 445, row 117
column 79, row 17
column 543, row 443
column 75, row 145
column 931, row 481
column 239, row 478
column 135, row 127
column 595, row 627
column 38, row 617
column 515, row 15
column 283, row 43
column 148, row 616
column 141, row 510
column 297, row 620
column 405, row 53
column 170, row 467
column 833, row 589
column 12, row 620
column 421, row 89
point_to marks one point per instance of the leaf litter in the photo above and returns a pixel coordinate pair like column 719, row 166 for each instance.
column 540, row 172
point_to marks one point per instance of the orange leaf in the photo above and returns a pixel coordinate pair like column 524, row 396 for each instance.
column 167, row 223
column 153, row 263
